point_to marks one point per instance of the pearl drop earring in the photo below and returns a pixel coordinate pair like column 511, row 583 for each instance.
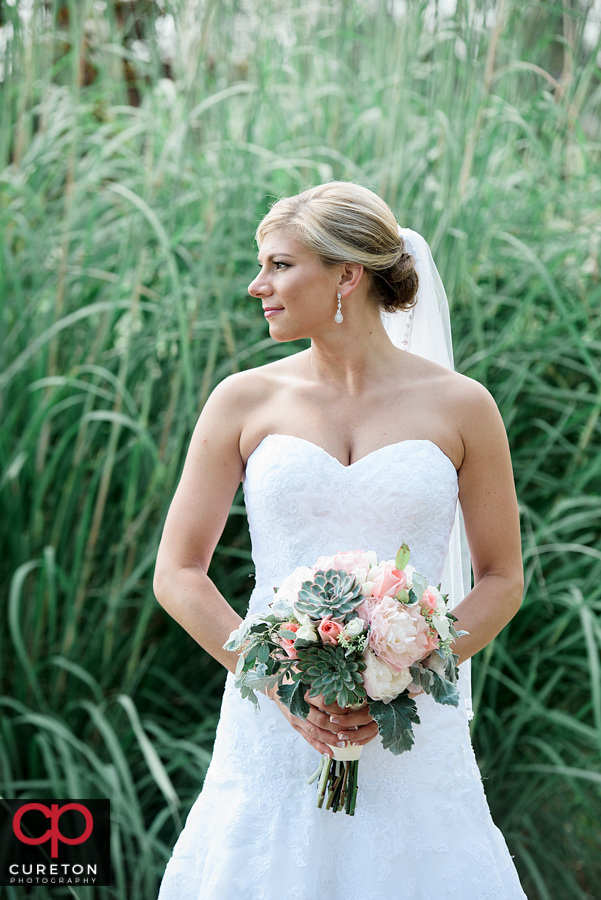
column 338, row 317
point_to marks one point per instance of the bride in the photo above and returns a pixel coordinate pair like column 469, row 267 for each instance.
column 363, row 441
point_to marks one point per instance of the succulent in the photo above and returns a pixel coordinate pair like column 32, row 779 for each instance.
column 330, row 593
column 330, row 672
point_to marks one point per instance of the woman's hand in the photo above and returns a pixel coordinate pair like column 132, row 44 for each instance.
column 329, row 726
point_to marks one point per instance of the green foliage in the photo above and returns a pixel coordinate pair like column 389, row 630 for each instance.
column 331, row 671
column 443, row 691
column 293, row 696
column 130, row 186
column 395, row 722
column 402, row 557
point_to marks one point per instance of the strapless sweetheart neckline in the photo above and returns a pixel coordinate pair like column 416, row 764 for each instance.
column 335, row 459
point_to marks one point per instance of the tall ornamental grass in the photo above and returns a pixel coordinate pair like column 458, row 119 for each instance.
column 140, row 144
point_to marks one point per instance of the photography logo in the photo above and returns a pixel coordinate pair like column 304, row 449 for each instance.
column 55, row 842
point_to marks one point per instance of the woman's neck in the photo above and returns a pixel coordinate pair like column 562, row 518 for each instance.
column 354, row 359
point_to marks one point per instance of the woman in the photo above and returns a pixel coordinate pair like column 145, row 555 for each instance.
column 351, row 444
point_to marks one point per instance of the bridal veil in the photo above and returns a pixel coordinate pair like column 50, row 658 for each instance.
column 425, row 330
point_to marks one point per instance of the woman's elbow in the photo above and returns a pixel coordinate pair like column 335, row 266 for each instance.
column 516, row 592
column 158, row 584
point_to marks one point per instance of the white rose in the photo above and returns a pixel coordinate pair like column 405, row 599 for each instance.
column 360, row 575
column 354, row 628
column 367, row 587
column 382, row 682
column 372, row 558
column 307, row 633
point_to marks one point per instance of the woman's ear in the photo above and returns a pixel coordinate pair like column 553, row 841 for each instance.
column 352, row 274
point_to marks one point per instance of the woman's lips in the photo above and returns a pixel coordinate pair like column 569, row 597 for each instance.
column 272, row 311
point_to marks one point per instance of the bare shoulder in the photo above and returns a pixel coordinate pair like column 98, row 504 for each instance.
column 459, row 411
column 470, row 400
column 244, row 391
column 235, row 407
column 480, row 426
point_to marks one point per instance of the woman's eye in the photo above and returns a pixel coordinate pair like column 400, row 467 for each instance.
column 275, row 264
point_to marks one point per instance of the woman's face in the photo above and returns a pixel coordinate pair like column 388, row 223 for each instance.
column 297, row 292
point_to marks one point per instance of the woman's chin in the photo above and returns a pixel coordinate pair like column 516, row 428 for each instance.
column 282, row 334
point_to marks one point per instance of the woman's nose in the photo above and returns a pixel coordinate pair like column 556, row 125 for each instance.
column 257, row 287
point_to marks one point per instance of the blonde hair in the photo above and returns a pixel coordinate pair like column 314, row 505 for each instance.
column 344, row 222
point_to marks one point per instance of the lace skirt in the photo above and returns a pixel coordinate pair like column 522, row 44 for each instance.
column 422, row 828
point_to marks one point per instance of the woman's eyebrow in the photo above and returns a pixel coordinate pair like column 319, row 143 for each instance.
column 273, row 256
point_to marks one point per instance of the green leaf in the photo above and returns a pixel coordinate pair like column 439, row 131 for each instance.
column 302, row 644
column 293, row 696
column 444, row 692
column 394, row 721
column 426, row 678
column 255, row 682
column 420, row 583
column 415, row 673
column 251, row 655
column 248, row 694
column 263, row 653
column 402, row 557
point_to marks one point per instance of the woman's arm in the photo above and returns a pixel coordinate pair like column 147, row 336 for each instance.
column 195, row 521
column 194, row 524
column 490, row 510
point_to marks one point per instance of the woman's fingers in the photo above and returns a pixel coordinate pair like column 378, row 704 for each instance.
column 336, row 726
column 349, row 719
column 339, row 717
column 322, row 720
column 361, row 735
column 317, row 737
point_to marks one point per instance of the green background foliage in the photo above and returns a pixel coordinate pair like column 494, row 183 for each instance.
column 140, row 143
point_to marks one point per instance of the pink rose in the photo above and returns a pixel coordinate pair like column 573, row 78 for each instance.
column 389, row 583
column 399, row 635
column 354, row 559
column 329, row 631
column 288, row 643
column 429, row 601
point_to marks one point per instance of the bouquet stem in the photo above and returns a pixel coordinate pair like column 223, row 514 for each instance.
column 339, row 780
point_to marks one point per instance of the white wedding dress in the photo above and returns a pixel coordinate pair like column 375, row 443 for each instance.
column 422, row 828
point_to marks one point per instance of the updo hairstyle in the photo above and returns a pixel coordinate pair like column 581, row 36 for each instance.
column 343, row 222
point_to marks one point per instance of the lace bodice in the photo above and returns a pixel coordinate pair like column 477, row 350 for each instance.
column 303, row 503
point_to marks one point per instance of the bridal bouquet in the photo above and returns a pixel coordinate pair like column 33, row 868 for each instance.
column 359, row 632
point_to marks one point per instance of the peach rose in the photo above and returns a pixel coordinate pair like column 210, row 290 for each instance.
column 399, row 635
column 329, row 631
column 389, row 583
column 287, row 643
